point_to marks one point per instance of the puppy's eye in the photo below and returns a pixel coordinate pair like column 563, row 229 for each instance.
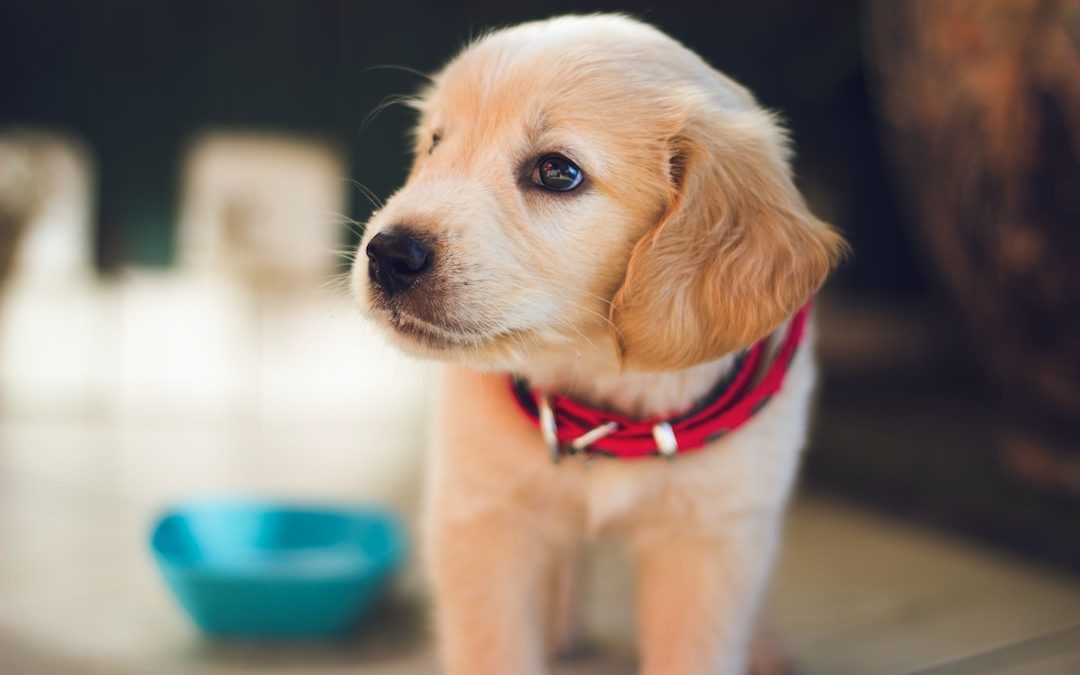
column 557, row 173
column 435, row 138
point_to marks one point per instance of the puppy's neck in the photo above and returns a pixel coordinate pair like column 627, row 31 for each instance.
column 596, row 380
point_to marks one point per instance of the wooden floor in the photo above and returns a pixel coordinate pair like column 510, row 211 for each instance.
column 857, row 593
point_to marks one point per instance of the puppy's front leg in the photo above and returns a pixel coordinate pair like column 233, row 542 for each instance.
column 697, row 597
column 488, row 580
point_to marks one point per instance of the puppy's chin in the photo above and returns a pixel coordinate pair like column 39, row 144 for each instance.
column 421, row 336
column 428, row 340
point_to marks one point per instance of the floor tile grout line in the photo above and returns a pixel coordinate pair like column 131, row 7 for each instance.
column 1061, row 641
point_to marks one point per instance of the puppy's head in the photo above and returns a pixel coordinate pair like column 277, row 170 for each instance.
column 590, row 180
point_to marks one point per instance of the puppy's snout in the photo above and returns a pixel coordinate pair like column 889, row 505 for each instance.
column 396, row 259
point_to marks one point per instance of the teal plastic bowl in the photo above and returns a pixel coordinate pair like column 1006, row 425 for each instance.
column 252, row 569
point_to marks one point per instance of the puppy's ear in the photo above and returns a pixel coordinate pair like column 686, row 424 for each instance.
column 735, row 254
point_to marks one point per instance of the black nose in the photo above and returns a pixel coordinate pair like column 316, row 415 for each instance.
column 396, row 259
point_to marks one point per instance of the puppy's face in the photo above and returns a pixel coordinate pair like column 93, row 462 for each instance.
column 547, row 205
column 528, row 190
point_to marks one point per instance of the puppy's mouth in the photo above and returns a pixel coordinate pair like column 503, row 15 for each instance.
column 435, row 335
column 427, row 332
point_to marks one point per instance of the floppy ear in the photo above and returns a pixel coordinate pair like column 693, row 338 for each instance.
column 736, row 253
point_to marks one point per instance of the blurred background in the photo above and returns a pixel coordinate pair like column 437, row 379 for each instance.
column 181, row 181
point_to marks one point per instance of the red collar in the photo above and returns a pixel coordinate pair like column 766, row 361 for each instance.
column 570, row 427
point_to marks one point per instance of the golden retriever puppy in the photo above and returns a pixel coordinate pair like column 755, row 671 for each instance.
column 597, row 213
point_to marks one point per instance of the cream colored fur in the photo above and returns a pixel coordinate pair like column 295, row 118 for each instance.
column 687, row 242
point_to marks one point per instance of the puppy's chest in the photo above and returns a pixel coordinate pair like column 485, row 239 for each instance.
column 612, row 493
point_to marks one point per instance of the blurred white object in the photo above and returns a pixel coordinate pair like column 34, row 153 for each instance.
column 243, row 354
column 46, row 177
column 183, row 346
column 264, row 209
column 53, row 327
column 56, row 355
column 247, row 325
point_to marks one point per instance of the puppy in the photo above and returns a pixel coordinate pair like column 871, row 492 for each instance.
column 596, row 212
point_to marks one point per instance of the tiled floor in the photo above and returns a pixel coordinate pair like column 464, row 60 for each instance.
column 856, row 593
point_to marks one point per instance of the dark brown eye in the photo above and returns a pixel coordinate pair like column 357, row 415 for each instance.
column 557, row 173
column 435, row 138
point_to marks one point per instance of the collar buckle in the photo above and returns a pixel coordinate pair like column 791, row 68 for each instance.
column 549, row 430
column 665, row 439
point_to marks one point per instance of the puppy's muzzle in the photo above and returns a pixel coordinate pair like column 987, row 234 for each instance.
column 397, row 259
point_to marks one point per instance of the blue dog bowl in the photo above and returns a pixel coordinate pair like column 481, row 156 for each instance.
column 253, row 569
